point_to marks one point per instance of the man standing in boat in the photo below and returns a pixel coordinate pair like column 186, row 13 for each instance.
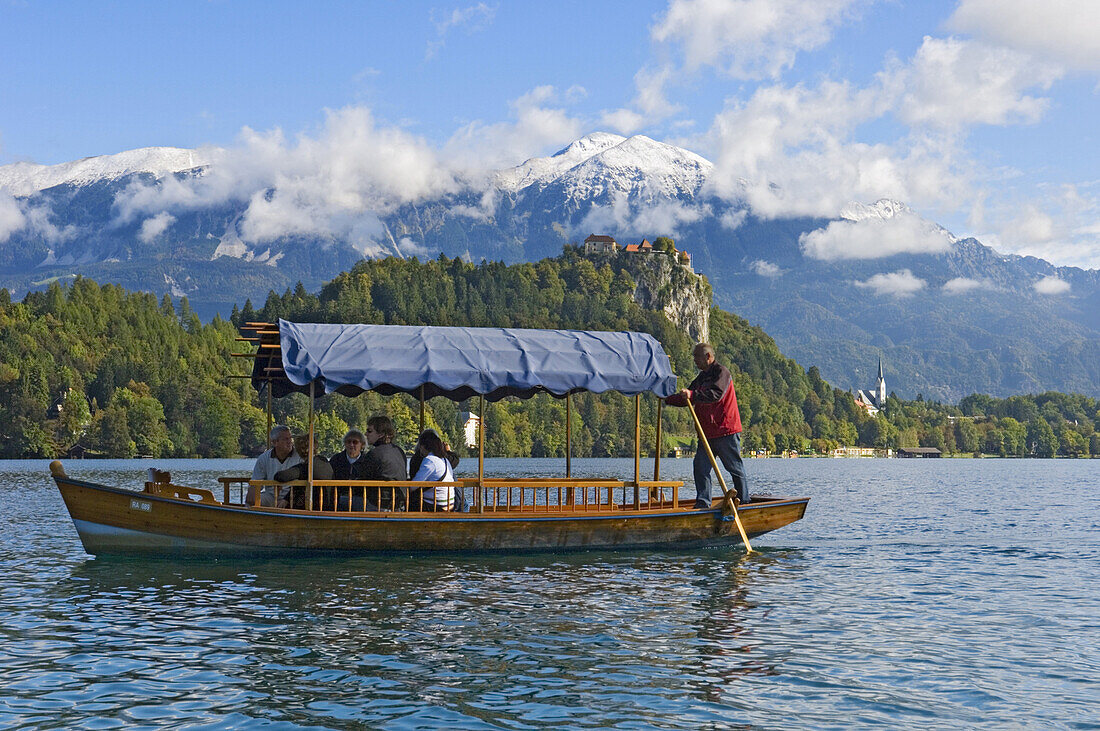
column 280, row 457
column 715, row 402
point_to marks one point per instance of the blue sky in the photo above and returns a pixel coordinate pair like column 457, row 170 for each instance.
column 980, row 114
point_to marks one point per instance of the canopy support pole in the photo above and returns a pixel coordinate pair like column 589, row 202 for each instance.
column 309, row 452
column 657, row 449
column 568, row 435
column 656, row 492
column 637, row 451
column 269, row 384
column 421, row 408
column 481, row 454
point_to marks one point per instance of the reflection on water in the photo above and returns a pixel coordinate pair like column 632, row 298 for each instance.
column 891, row 604
column 539, row 640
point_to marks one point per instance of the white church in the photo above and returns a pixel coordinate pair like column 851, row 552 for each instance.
column 873, row 401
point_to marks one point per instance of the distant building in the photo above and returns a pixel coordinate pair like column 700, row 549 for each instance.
column 469, row 422
column 873, row 401
column 679, row 450
column 853, row 452
column 600, row 244
column 925, row 452
column 685, row 261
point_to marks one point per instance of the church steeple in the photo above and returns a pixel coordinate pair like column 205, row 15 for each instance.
column 881, row 385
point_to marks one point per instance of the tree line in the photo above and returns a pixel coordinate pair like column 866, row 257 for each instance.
column 122, row 374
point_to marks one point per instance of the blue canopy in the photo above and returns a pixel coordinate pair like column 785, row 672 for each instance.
column 462, row 362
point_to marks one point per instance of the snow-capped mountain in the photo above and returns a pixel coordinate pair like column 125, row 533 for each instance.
column 24, row 178
column 603, row 164
column 992, row 330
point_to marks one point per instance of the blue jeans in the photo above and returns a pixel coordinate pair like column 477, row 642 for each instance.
column 727, row 450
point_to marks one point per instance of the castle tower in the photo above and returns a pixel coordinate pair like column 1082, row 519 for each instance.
column 881, row 394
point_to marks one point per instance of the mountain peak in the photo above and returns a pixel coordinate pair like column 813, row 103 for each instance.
column 603, row 161
column 26, row 178
column 883, row 208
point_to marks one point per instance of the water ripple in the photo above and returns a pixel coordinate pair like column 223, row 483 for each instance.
column 888, row 606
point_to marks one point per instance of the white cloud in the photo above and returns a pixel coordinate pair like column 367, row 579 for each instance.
column 765, row 268
column 153, row 227
column 732, row 219
column 11, row 216
column 962, row 285
column 873, row 238
column 749, row 39
column 623, row 121
column 952, row 83
column 336, row 183
column 660, row 218
column 650, row 98
column 744, row 39
column 38, row 220
column 1051, row 285
column 901, row 283
column 1056, row 223
column 479, row 147
column 474, row 17
column 408, row 247
column 1032, row 227
column 1063, row 31
column 791, row 151
column 797, row 150
column 666, row 217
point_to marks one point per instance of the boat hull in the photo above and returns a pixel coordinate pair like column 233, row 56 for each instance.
column 111, row 520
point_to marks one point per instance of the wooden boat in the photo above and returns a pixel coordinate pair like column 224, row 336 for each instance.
column 505, row 515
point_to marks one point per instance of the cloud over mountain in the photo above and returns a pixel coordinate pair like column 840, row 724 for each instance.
column 875, row 238
column 901, row 283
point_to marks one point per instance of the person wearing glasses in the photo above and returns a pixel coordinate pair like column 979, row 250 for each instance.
column 385, row 461
column 349, row 464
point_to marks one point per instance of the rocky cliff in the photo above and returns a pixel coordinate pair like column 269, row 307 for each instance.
column 661, row 284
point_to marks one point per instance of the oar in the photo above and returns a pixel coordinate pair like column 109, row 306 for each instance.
column 729, row 499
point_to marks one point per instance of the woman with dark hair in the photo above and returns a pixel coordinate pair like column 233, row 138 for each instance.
column 385, row 461
column 434, row 467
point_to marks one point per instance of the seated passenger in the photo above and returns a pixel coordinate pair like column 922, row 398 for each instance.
column 350, row 465
column 461, row 505
column 322, row 470
column 385, row 461
column 280, row 457
column 434, row 467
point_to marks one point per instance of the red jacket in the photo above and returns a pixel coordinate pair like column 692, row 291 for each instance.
column 715, row 402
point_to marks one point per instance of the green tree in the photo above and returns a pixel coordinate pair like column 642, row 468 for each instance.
column 74, row 418
column 144, row 418
column 113, row 433
column 966, row 435
column 1041, row 438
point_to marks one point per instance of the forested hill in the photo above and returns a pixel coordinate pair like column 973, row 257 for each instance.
column 123, row 374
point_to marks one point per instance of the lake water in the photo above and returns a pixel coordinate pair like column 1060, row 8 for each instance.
column 914, row 594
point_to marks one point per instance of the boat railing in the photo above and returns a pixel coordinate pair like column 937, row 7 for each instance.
column 493, row 495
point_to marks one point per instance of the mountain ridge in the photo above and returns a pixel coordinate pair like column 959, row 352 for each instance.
column 972, row 318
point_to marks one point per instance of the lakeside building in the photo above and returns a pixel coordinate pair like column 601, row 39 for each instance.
column 925, row 452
